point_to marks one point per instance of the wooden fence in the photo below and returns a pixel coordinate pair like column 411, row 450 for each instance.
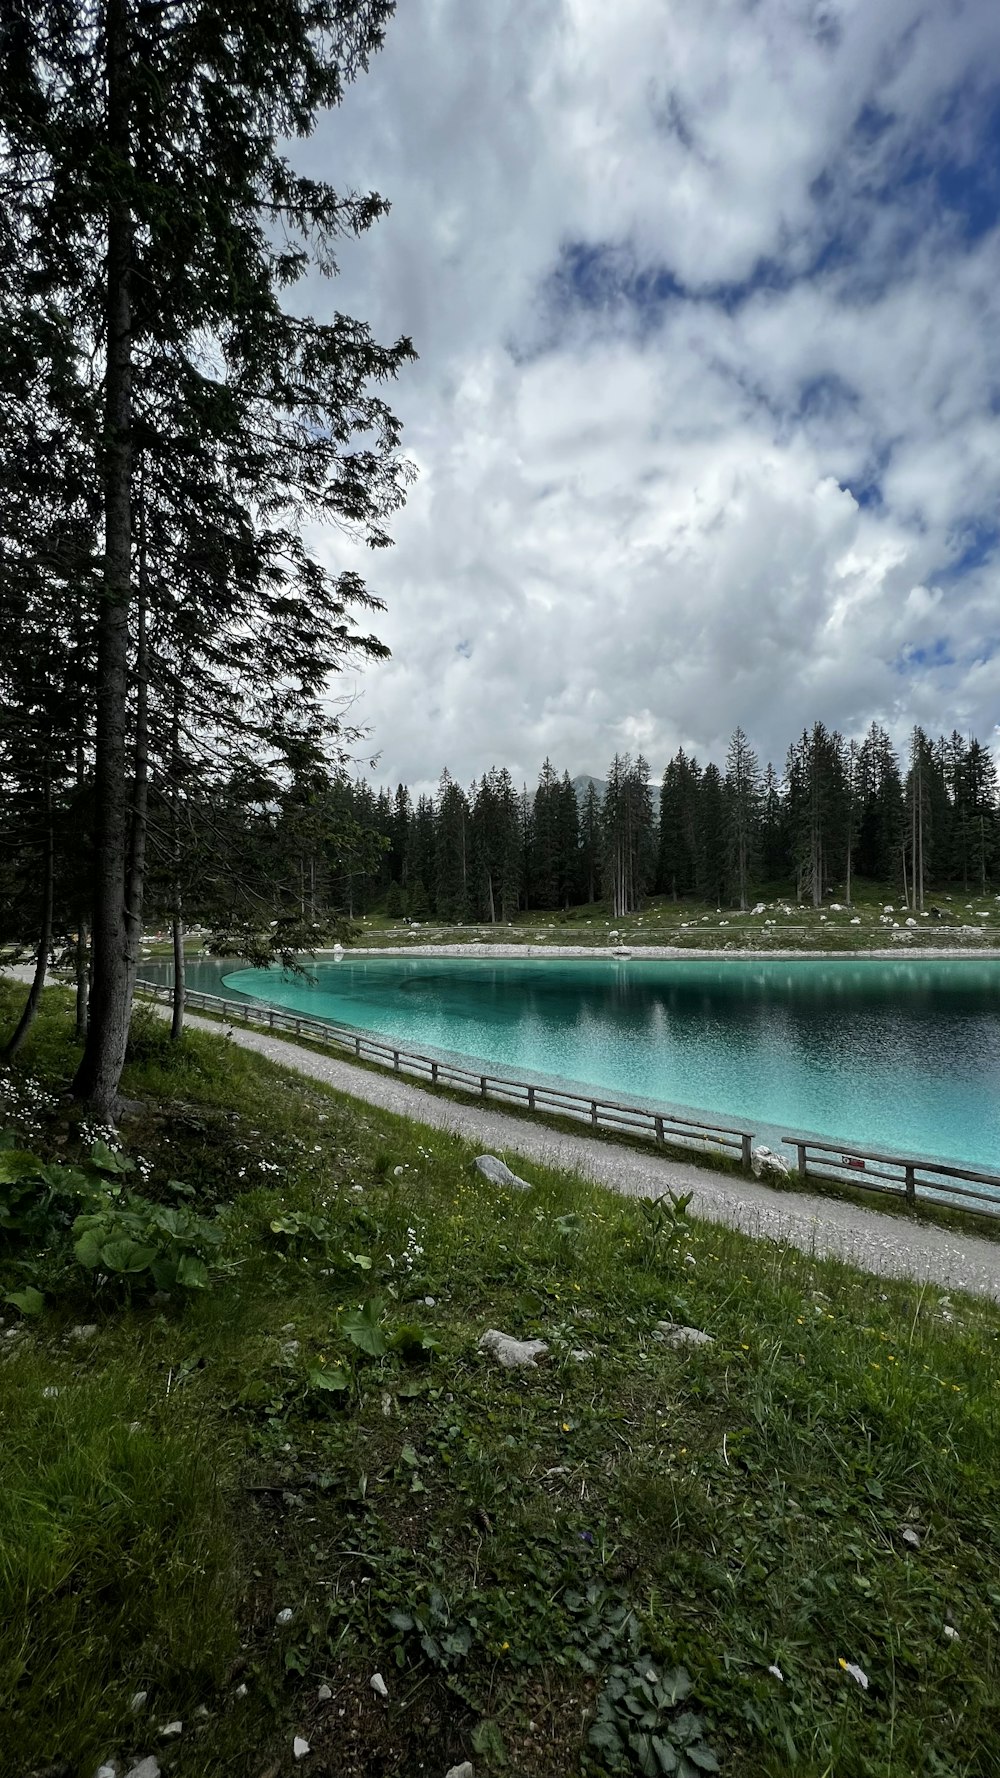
column 868, row 1169
column 873, row 1171
column 599, row 1114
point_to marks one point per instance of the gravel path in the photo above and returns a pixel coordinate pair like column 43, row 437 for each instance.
column 828, row 1226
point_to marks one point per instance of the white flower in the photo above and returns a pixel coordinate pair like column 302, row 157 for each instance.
column 855, row 1672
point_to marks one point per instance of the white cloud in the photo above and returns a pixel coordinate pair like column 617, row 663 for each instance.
column 643, row 519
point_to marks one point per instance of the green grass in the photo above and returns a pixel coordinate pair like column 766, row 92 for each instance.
column 493, row 1543
column 780, row 925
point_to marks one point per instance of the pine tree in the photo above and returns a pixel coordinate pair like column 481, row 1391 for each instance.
column 590, row 843
column 154, row 209
column 742, row 811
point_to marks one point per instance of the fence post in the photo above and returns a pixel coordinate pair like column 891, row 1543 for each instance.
column 593, row 1112
column 911, row 1183
column 531, row 1098
column 747, row 1143
column 434, row 1071
column 482, row 1084
column 801, row 1151
column 658, row 1122
column 395, row 1060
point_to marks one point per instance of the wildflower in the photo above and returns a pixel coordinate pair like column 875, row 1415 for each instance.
column 855, row 1672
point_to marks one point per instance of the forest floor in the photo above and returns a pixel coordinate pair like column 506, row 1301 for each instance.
column 231, row 1504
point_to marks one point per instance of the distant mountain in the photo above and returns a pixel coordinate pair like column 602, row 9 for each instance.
column 581, row 783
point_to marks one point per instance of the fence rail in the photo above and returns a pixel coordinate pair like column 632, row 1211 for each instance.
column 874, row 1171
column 599, row 1114
column 868, row 1169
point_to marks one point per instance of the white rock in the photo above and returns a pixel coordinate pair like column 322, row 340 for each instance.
column 285, row 1616
column 110, row 1770
column 951, row 1633
column 463, row 1771
column 675, row 1335
column 171, row 1731
column 137, row 1701
column 888, row 910
column 911, row 921
column 147, row 1768
column 240, row 1692
column 299, row 1747
column 512, row 1354
column 911, row 1538
column 855, row 922
column 498, row 1173
column 324, row 1694
column 430, row 1302
column 776, row 1670
column 580, row 1355
column 378, row 1685
column 767, row 1164
column 83, row 1332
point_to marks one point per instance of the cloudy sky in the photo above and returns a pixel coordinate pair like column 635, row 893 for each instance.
column 707, row 411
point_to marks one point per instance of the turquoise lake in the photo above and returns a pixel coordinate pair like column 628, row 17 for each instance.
column 897, row 1055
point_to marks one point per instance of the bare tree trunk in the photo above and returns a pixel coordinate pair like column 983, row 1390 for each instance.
column 27, row 1018
column 177, row 1016
column 82, row 962
column 176, row 923
column 100, row 1069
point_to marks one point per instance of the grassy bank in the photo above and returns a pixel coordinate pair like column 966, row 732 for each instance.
column 775, row 923
column 514, row 1552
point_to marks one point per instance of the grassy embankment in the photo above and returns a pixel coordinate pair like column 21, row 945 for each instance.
column 967, row 921
column 819, row 1486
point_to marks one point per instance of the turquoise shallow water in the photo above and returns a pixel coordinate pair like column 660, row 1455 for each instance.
column 897, row 1055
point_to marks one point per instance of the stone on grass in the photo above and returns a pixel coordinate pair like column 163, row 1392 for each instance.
column 674, row 1334
column 324, row 1694
column 767, row 1164
column 378, row 1685
column 580, row 1355
column 911, row 1538
column 171, row 1730
column 147, row 1768
column 463, row 1771
column 512, row 1354
column 108, row 1770
column 137, row 1701
column 285, row 1616
column 300, row 1747
column 498, row 1173
column 83, row 1332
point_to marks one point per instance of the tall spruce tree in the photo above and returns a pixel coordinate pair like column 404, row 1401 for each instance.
column 154, row 208
column 742, row 812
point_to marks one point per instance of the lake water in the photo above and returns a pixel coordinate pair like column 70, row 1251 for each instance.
column 898, row 1055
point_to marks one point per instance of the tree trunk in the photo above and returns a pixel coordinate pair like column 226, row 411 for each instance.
column 100, row 1069
column 177, row 1016
column 82, row 961
column 27, row 1018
